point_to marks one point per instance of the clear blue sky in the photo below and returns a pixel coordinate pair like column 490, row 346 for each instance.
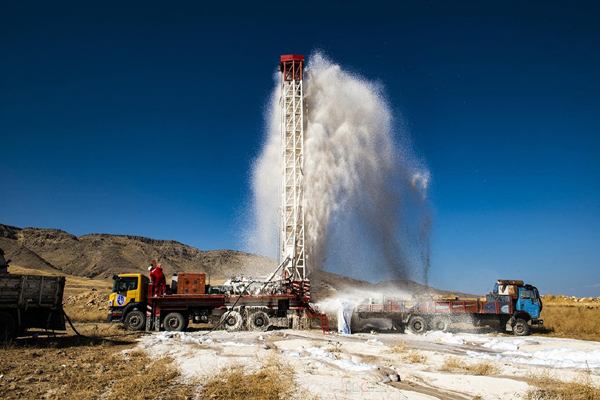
column 143, row 118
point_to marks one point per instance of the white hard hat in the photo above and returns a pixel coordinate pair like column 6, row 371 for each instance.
column 150, row 268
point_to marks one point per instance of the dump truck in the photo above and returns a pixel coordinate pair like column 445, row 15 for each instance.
column 30, row 301
column 239, row 304
column 513, row 305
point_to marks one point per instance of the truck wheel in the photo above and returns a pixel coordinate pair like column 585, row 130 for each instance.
column 440, row 324
column 521, row 327
column 174, row 322
column 417, row 325
column 232, row 321
column 7, row 326
column 259, row 321
column 135, row 321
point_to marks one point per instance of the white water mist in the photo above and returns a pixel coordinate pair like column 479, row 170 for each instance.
column 365, row 191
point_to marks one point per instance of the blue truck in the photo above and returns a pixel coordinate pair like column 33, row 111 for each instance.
column 513, row 305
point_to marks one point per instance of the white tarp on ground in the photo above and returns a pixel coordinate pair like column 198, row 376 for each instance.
column 345, row 317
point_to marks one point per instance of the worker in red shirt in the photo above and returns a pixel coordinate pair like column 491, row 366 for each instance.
column 158, row 280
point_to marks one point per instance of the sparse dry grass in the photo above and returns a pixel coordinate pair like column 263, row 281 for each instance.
column 87, row 307
column 484, row 367
column 334, row 347
column 548, row 388
column 399, row 348
column 274, row 381
column 414, row 357
column 567, row 317
column 452, row 363
column 80, row 314
column 408, row 356
column 82, row 368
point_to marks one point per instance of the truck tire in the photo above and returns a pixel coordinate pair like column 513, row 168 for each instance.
column 417, row 325
column 440, row 324
column 7, row 326
column 259, row 321
column 174, row 322
column 135, row 321
column 232, row 321
column 521, row 327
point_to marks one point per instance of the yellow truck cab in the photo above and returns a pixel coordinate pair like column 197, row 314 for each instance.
column 128, row 298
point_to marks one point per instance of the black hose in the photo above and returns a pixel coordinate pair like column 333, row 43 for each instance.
column 72, row 327
column 230, row 310
column 97, row 337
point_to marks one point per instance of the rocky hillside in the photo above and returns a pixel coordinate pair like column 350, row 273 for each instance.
column 102, row 255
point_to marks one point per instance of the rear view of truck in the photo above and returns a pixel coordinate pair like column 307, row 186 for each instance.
column 30, row 301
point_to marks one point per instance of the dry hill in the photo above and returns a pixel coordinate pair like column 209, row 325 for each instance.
column 100, row 256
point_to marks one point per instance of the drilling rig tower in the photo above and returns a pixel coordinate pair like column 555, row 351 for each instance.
column 292, row 135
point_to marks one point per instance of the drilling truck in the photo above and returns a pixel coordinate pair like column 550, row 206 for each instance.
column 239, row 304
column 512, row 304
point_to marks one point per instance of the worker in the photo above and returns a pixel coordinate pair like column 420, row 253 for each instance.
column 3, row 263
column 158, row 279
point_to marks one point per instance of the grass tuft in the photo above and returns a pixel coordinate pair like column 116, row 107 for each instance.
column 481, row 368
column 414, row 357
column 399, row 348
column 548, row 388
column 274, row 381
column 452, row 363
column 334, row 347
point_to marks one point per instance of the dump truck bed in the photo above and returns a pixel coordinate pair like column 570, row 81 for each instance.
column 34, row 301
column 25, row 291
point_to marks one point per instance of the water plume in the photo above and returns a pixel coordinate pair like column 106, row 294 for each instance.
column 365, row 190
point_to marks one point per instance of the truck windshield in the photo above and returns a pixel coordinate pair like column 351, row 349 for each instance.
column 125, row 284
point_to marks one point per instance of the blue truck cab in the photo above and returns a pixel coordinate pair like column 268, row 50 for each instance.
column 526, row 304
column 529, row 301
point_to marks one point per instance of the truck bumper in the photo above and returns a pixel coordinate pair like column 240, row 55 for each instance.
column 114, row 317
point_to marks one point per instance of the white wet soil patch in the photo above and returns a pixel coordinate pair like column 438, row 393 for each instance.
column 384, row 366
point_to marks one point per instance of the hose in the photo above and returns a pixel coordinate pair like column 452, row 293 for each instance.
column 230, row 310
column 94, row 337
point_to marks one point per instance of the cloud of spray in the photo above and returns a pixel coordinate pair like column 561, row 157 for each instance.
column 365, row 191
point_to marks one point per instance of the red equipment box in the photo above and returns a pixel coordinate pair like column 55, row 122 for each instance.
column 191, row 284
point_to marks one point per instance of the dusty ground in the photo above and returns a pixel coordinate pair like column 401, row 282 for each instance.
column 112, row 363
column 366, row 366
column 359, row 366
